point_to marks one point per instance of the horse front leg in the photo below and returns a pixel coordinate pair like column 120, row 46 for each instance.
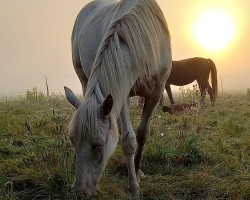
column 143, row 129
column 162, row 101
column 129, row 146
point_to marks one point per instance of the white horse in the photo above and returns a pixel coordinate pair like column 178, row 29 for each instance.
column 119, row 49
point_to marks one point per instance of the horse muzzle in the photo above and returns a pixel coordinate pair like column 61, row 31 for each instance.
column 88, row 188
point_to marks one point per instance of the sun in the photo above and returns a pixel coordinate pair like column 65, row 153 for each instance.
column 214, row 30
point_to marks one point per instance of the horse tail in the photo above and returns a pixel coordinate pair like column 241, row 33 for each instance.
column 213, row 78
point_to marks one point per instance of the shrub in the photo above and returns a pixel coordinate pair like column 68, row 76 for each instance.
column 192, row 152
column 190, row 95
column 34, row 94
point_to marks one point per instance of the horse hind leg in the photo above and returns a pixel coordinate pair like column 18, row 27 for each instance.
column 143, row 129
column 211, row 94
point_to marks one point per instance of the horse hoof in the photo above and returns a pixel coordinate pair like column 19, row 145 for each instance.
column 135, row 193
column 141, row 174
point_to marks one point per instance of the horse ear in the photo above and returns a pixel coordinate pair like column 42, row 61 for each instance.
column 71, row 97
column 107, row 105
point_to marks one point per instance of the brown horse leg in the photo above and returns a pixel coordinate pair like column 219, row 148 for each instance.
column 211, row 94
column 143, row 129
column 170, row 95
column 202, row 91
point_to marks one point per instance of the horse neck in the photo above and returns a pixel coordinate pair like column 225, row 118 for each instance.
column 125, row 54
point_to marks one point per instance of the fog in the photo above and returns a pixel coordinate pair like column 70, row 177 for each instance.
column 35, row 41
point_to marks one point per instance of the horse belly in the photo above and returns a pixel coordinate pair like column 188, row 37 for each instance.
column 145, row 87
column 180, row 79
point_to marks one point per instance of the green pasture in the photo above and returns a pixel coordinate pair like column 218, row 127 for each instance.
column 201, row 154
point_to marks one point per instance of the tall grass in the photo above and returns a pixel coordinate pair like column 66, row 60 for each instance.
column 198, row 155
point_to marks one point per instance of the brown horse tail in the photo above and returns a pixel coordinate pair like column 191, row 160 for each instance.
column 214, row 78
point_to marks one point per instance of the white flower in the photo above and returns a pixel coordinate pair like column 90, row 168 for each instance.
column 162, row 134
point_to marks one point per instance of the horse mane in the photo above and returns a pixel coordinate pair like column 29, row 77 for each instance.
column 143, row 29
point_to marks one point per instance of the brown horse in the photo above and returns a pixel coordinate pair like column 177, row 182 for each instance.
column 188, row 70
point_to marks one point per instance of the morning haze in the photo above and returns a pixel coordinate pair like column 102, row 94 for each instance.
column 35, row 41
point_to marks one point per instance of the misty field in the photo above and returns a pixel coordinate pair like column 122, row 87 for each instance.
column 203, row 154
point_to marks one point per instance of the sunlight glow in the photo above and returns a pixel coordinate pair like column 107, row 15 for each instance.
column 214, row 30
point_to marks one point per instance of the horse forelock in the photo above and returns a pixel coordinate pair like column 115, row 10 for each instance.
column 84, row 123
column 143, row 30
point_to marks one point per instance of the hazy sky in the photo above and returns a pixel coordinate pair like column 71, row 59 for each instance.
column 35, row 41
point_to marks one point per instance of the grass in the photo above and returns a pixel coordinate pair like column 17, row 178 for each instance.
column 202, row 155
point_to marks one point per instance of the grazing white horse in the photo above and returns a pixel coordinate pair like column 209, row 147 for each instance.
column 119, row 49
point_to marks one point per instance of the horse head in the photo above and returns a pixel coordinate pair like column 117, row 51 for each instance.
column 93, row 132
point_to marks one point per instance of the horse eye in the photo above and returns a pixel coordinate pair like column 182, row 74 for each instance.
column 72, row 138
column 98, row 147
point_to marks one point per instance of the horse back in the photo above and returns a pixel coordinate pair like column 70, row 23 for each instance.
column 89, row 29
column 188, row 70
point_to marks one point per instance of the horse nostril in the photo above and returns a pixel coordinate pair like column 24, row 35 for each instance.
column 75, row 189
column 72, row 189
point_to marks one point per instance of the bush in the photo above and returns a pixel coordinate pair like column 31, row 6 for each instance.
column 192, row 154
column 34, row 94
column 190, row 95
